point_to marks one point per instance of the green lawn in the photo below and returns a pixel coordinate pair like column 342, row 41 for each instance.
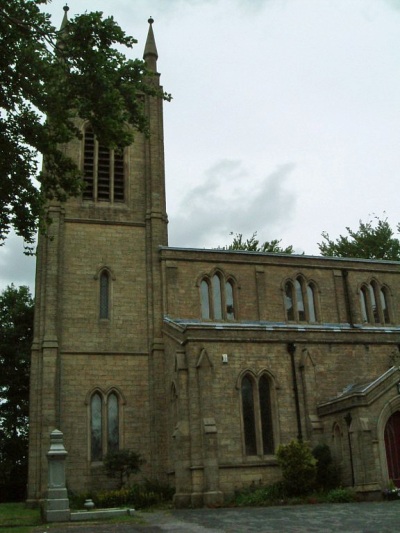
column 17, row 518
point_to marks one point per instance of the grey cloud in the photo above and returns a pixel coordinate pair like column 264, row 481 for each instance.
column 224, row 203
column 15, row 266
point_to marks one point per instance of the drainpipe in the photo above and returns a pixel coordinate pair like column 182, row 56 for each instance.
column 291, row 348
column 348, row 419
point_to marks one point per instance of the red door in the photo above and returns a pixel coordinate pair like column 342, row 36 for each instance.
column 392, row 444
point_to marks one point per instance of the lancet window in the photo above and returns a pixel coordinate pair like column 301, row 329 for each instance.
column 217, row 297
column 104, row 424
column 300, row 299
column 258, row 430
column 375, row 303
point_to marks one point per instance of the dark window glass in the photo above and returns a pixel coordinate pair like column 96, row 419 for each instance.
column 266, row 415
column 364, row 304
column 311, row 303
column 217, row 303
column 104, row 294
column 375, row 310
column 230, row 311
column 289, row 300
column 112, row 423
column 300, row 301
column 96, row 428
column 384, row 305
column 205, row 300
column 249, row 417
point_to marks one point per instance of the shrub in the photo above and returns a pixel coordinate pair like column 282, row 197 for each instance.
column 122, row 463
column 298, row 468
column 327, row 473
column 341, row 495
column 254, row 496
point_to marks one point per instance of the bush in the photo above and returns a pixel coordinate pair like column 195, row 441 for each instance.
column 341, row 496
column 121, row 464
column 255, row 496
column 327, row 473
column 298, row 468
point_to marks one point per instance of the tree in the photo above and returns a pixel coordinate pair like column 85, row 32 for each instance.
column 373, row 240
column 48, row 78
column 253, row 245
column 16, row 332
column 122, row 464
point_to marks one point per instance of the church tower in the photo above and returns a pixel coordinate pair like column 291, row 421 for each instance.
column 97, row 358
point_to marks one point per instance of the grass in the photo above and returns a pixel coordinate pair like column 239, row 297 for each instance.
column 17, row 518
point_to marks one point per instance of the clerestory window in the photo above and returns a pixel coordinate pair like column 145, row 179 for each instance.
column 217, row 297
column 374, row 303
column 103, row 171
column 300, row 300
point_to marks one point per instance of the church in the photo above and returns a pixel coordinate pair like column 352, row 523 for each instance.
column 203, row 361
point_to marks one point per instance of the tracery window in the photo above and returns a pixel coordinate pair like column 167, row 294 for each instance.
column 217, row 297
column 104, row 424
column 375, row 303
column 258, row 429
column 300, row 300
column 103, row 171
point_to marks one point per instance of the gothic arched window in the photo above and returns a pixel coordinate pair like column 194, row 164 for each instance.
column 217, row 297
column 258, row 429
column 300, row 299
column 104, row 424
column 103, row 170
column 104, row 294
column 374, row 303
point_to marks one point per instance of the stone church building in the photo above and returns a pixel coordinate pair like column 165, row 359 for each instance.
column 203, row 361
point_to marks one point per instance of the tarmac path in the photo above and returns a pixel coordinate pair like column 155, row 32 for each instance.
column 374, row 517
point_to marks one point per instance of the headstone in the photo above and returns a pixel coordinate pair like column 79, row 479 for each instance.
column 57, row 502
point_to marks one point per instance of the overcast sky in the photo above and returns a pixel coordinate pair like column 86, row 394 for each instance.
column 285, row 117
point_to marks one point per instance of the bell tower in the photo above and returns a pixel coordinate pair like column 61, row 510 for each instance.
column 97, row 355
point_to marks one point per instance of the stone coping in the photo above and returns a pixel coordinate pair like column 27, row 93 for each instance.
column 100, row 514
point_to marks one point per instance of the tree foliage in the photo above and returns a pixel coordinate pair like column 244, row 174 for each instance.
column 122, row 464
column 16, row 331
column 253, row 245
column 48, row 78
column 372, row 240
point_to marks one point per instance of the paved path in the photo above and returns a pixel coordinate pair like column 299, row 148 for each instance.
column 376, row 517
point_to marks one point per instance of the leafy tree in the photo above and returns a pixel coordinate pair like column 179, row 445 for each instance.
column 122, row 464
column 16, row 330
column 253, row 245
column 373, row 240
column 48, row 78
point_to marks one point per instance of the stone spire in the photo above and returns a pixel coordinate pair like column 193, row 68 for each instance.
column 63, row 28
column 65, row 18
column 150, row 54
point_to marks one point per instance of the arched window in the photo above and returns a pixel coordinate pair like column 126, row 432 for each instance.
column 104, row 424
column 217, row 297
column 104, row 294
column 384, row 305
column 205, row 299
column 374, row 303
column 230, row 309
column 103, row 171
column 301, row 312
column 249, row 421
column 112, row 423
column 300, row 300
column 257, row 416
column 364, row 304
column 289, row 300
column 96, row 419
column 312, row 315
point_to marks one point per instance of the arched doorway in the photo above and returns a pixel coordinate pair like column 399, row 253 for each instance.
column 392, row 445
